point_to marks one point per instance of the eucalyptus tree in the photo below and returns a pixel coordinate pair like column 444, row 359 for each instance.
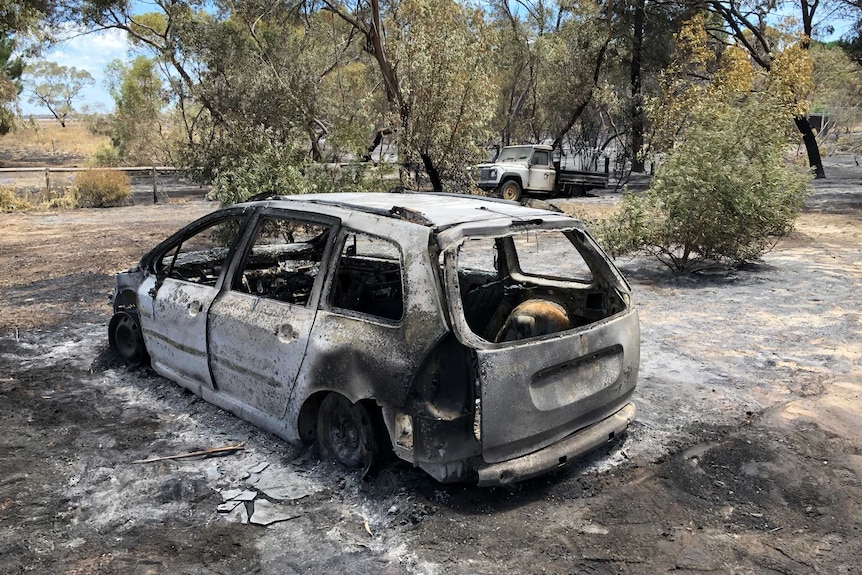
column 56, row 87
column 434, row 63
column 138, row 129
column 551, row 60
column 29, row 18
column 253, row 77
column 751, row 24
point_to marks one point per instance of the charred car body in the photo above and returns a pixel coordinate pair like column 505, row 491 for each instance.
column 477, row 339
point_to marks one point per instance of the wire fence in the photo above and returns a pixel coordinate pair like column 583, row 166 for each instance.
column 149, row 183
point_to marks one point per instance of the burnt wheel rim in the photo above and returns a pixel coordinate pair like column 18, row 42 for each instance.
column 128, row 340
column 343, row 433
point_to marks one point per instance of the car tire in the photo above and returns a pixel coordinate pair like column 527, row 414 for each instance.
column 510, row 190
column 127, row 339
column 345, row 432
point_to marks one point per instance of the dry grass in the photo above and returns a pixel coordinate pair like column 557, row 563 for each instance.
column 103, row 188
column 45, row 142
column 12, row 200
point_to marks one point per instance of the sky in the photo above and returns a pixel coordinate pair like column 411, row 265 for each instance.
column 90, row 52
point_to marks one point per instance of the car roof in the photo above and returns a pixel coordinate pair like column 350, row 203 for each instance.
column 435, row 210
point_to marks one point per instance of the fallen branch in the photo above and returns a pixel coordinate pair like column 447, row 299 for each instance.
column 210, row 451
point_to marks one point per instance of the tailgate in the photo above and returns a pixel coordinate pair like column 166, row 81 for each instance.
column 536, row 392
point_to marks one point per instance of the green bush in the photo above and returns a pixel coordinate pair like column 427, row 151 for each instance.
column 723, row 195
column 262, row 168
column 105, row 156
column 103, row 188
column 283, row 169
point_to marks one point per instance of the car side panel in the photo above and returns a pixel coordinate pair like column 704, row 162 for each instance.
column 257, row 346
column 364, row 357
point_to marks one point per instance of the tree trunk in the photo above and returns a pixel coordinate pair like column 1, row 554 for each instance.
column 378, row 139
column 637, row 100
column 432, row 172
column 316, row 152
column 810, row 146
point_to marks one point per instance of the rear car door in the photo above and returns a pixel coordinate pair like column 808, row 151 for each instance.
column 175, row 298
column 539, row 381
column 260, row 324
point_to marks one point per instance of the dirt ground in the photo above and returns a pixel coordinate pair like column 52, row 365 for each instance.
column 746, row 455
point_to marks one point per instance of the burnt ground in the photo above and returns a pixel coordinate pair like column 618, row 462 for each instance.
column 745, row 457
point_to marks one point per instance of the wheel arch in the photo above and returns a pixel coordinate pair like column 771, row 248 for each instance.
column 306, row 422
column 509, row 176
column 126, row 300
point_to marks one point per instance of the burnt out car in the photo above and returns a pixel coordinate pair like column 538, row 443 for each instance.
column 477, row 339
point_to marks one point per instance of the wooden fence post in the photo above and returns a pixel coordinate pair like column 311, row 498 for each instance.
column 47, row 180
column 155, row 187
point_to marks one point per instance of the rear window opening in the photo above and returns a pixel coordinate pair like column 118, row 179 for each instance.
column 533, row 284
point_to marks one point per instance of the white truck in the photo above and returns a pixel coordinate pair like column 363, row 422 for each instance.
column 531, row 170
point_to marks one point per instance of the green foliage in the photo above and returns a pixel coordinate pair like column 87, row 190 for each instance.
column 10, row 85
column 351, row 177
column 136, row 126
column 284, row 170
column 838, row 91
column 442, row 53
column 264, row 168
column 724, row 195
column 725, row 192
column 103, row 188
column 104, row 157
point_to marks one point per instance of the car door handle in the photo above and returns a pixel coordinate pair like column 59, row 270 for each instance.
column 195, row 308
column 286, row 333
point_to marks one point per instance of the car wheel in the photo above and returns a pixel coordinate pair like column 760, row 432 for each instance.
column 126, row 339
column 511, row 190
column 345, row 431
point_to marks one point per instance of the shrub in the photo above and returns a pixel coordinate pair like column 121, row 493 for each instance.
column 263, row 167
column 352, row 177
column 65, row 199
column 103, row 188
column 724, row 195
column 726, row 192
column 10, row 201
column 105, row 156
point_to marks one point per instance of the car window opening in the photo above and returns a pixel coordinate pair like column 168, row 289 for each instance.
column 368, row 280
column 284, row 261
column 200, row 258
column 529, row 285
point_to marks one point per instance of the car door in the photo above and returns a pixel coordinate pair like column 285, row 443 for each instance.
column 176, row 296
column 541, row 176
column 259, row 325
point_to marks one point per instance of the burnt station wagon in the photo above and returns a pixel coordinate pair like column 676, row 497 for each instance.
column 477, row 339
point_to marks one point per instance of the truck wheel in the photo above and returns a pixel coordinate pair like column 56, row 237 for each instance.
column 511, row 190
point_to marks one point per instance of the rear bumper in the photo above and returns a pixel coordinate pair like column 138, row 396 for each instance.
column 559, row 453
